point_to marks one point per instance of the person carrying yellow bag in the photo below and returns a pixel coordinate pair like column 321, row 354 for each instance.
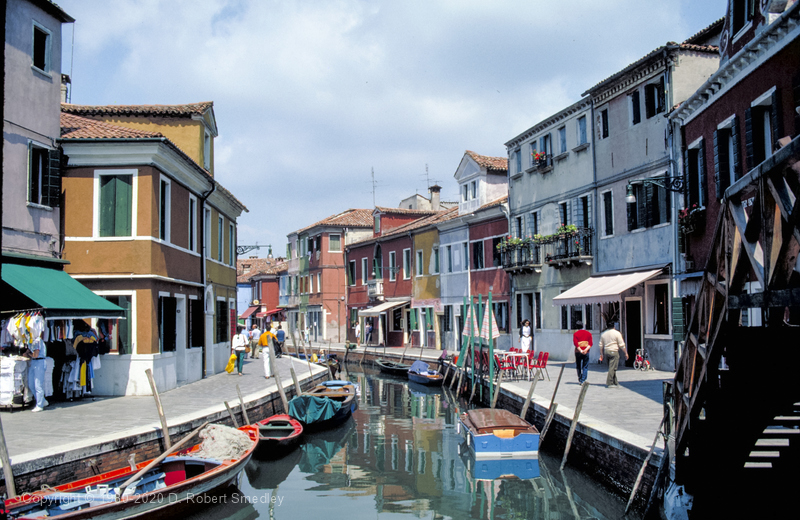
column 231, row 366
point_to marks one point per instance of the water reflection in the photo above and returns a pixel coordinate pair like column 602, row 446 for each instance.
column 400, row 455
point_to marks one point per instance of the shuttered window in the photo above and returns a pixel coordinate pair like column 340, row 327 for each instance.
column 116, row 197
column 44, row 176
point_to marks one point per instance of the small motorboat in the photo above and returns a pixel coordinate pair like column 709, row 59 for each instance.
column 495, row 434
column 163, row 488
column 325, row 406
column 278, row 435
column 421, row 373
column 392, row 368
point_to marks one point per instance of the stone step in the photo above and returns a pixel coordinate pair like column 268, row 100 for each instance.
column 773, row 442
column 765, row 454
column 758, row 465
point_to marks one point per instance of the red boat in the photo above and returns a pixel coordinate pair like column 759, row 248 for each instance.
column 180, row 481
column 278, row 435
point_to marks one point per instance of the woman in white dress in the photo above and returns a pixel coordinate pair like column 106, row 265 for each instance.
column 526, row 336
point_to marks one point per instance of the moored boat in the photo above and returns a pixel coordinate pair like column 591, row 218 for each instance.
column 495, row 433
column 392, row 368
column 178, row 480
column 421, row 373
column 278, row 435
column 325, row 406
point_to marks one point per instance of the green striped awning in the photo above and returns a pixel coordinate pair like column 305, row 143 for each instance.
column 55, row 292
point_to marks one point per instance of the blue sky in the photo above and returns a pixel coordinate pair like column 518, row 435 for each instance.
column 311, row 96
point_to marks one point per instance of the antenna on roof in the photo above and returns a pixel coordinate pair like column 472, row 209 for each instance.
column 428, row 181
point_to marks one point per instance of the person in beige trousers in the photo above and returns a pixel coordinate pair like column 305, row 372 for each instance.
column 611, row 343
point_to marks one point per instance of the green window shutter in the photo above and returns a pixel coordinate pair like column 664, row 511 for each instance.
column 124, row 203
column 412, row 316
column 51, row 180
column 678, row 320
column 107, row 197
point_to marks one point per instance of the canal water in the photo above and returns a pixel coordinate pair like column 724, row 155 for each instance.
column 402, row 456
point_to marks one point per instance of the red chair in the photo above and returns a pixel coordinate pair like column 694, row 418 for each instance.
column 541, row 362
column 504, row 365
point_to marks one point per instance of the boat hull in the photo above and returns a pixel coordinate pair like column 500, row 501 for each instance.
column 435, row 380
column 277, row 436
column 501, row 435
column 395, row 369
column 343, row 391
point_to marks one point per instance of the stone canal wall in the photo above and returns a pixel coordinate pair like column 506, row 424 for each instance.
column 146, row 443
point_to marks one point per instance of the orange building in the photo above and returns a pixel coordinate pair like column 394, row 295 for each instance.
column 147, row 226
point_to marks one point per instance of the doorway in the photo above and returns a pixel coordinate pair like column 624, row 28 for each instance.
column 633, row 328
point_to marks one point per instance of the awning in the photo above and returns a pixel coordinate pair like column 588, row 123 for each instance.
column 268, row 313
column 250, row 310
column 603, row 289
column 383, row 307
column 55, row 292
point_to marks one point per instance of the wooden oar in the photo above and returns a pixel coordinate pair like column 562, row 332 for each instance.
column 160, row 458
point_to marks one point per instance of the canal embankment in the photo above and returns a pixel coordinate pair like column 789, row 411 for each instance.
column 79, row 439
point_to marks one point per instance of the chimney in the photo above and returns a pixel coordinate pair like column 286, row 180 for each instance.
column 435, row 189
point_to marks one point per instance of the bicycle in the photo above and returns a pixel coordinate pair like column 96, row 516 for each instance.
column 642, row 361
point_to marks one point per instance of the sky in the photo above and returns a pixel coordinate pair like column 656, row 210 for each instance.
column 312, row 96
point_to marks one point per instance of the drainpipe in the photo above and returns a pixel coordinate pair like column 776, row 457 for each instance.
column 204, row 197
column 596, row 241
column 674, row 139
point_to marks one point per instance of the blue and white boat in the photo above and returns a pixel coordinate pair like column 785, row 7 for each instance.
column 498, row 434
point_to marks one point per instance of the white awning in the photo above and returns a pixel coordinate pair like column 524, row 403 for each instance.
column 383, row 307
column 603, row 289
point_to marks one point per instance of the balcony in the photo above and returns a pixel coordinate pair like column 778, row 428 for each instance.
column 375, row 289
column 570, row 248
column 522, row 257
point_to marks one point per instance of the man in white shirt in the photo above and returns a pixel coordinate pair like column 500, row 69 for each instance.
column 255, row 334
column 611, row 344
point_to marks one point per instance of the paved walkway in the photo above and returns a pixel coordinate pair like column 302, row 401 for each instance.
column 65, row 426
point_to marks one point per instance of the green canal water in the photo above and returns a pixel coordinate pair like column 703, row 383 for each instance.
column 401, row 456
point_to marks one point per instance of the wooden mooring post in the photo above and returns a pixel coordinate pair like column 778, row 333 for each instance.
column 297, row 389
column 527, row 404
column 233, row 415
column 164, row 429
column 574, row 424
column 241, row 403
column 497, row 388
column 644, row 464
column 11, row 489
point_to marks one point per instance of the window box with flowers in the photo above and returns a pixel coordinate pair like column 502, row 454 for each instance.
column 691, row 219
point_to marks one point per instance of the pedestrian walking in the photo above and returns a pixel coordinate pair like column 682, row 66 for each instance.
column 526, row 336
column 238, row 347
column 358, row 334
column 280, row 337
column 255, row 334
column 264, row 341
column 582, row 339
column 37, row 366
column 368, row 334
column 611, row 343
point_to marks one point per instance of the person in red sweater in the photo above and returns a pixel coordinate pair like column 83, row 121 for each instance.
column 582, row 339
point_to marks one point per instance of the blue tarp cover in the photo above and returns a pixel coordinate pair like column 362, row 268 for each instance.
column 310, row 409
column 419, row 367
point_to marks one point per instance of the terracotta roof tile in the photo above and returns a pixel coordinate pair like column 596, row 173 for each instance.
column 256, row 266
column 490, row 163
column 494, row 203
column 439, row 216
column 139, row 110
column 77, row 127
column 348, row 218
column 404, row 211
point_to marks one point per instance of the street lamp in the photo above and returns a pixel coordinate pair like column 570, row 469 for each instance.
column 675, row 184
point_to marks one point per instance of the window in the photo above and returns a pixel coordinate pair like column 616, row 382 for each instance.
column 419, row 262
column 608, row 213
column 448, row 319
column 319, row 282
column 41, row 48
column 406, row 264
column 657, row 308
column 501, row 315
column 563, row 213
column 364, row 271
column 562, row 139
column 435, row 260
column 221, row 312
column 741, row 14
column 465, row 193
column 695, row 166
column 192, row 223
column 534, row 223
column 465, row 255
column 727, row 162
column 449, row 254
column 115, row 205
column 497, row 260
column 220, row 238
column 517, row 160
column 654, row 98
column 392, row 266
column 44, row 178
column 477, row 255
column 533, row 152
column 167, row 323
column 335, row 243
column 761, row 125
column 351, row 273
column 602, row 125
column 377, row 223
column 231, row 244
column 636, row 111
column 197, row 320
column 207, row 150
column 537, row 301
column 582, row 130
column 164, row 210
column 546, row 145
column 564, row 316
column 474, row 189
column 575, row 315
column 118, row 332
column 652, row 206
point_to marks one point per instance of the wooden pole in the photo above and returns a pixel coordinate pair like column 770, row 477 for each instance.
column 233, row 415
column 644, row 465
column 161, row 457
column 497, row 389
column 550, row 414
column 308, row 360
column 404, row 353
column 572, row 426
column 475, row 381
column 274, row 365
column 297, row 389
column 11, row 488
column 241, row 403
column 164, row 429
column 530, row 395
column 487, row 311
column 446, row 371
